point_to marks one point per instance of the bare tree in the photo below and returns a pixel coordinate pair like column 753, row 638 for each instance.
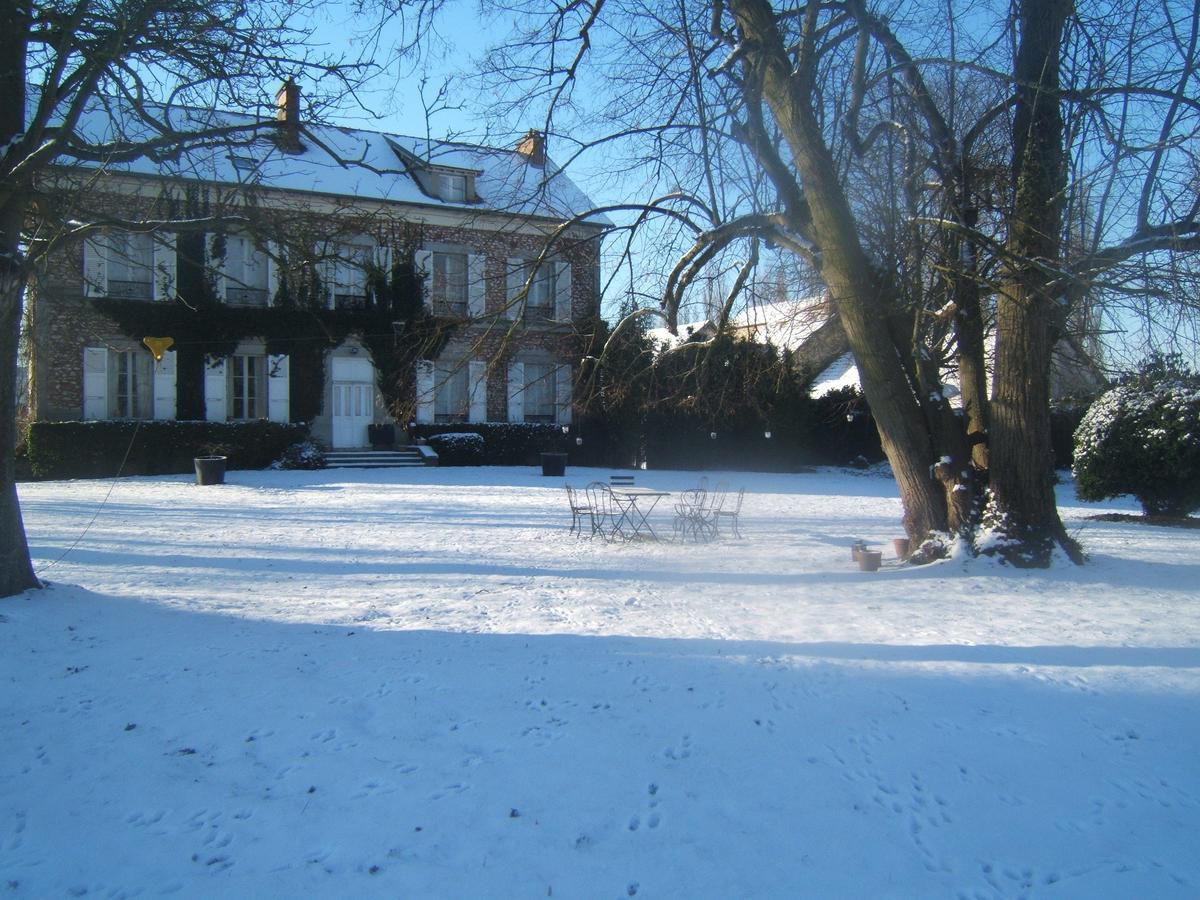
column 924, row 160
column 143, row 64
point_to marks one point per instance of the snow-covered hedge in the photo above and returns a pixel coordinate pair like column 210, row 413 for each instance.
column 106, row 449
column 504, row 443
column 1143, row 438
column 458, row 448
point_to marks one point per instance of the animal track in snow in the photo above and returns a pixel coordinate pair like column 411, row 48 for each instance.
column 681, row 751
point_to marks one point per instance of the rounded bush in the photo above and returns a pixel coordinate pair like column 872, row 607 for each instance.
column 1143, row 438
column 303, row 455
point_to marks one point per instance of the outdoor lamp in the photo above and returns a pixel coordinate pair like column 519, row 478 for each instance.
column 767, row 435
column 578, row 442
column 713, row 435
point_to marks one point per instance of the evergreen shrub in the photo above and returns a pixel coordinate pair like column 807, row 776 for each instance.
column 458, row 448
column 504, row 443
column 1143, row 438
column 97, row 449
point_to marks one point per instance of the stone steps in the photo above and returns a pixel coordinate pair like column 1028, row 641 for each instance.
column 373, row 459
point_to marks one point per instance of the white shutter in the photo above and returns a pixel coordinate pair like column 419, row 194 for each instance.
column 214, row 389
column 476, row 285
column 477, row 388
column 277, row 388
column 95, row 383
column 272, row 272
column 562, row 291
column 95, row 265
column 562, row 395
column 217, row 266
column 516, row 392
column 424, row 391
column 515, row 269
column 164, row 266
column 164, row 386
column 423, row 264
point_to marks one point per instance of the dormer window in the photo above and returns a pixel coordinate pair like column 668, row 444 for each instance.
column 452, row 188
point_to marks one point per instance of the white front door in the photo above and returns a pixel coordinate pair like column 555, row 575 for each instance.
column 353, row 402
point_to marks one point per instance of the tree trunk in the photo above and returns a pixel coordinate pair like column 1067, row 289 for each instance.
column 16, row 570
column 1027, row 312
column 861, row 294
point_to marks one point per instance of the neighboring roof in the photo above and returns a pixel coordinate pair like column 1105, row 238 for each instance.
column 346, row 162
column 788, row 324
column 842, row 373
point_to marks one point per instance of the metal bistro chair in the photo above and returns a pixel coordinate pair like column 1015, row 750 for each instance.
column 732, row 513
column 604, row 512
column 710, row 512
column 688, row 514
column 579, row 508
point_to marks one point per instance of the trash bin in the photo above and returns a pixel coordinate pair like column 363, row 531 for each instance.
column 554, row 464
column 210, row 469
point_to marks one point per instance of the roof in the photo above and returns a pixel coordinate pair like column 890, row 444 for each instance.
column 345, row 162
column 788, row 324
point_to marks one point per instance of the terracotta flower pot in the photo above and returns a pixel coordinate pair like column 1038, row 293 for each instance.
column 869, row 560
column 903, row 547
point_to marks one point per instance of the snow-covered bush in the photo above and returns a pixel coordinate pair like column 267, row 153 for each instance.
column 1143, row 438
column 456, row 448
column 304, row 455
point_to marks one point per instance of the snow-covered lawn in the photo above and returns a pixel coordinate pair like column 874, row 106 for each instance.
column 415, row 683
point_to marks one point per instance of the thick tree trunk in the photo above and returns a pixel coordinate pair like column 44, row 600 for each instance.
column 16, row 570
column 861, row 294
column 1022, row 460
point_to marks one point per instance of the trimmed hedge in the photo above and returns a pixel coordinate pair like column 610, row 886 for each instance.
column 504, row 443
column 96, row 449
column 457, row 448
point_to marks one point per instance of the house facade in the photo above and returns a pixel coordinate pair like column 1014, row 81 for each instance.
column 334, row 276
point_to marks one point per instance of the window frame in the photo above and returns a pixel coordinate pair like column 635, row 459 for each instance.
column 442, row 283
column 127, row 261
column 256, row 397
column 541, row 389
column 451, row 374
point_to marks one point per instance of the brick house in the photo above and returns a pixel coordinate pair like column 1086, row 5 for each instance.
column 310, row 273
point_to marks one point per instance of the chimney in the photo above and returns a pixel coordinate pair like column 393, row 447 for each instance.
column 287, row 116
column 533, row 148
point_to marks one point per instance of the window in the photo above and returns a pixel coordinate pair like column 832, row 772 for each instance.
column 451, row 397
column 117, row 384
column 452, row 187
column 245, row 272
column 350, row 269
column 449, row 284
column 247, row 387
column 130, row 259
column 540, row 302
column 539, row 392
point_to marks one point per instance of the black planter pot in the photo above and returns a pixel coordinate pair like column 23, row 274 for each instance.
column 554, row 464
column 382, row 437
column 210, row 469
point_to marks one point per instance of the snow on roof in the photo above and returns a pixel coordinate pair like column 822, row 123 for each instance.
column 842, row 373
column 347, row 162
column 668, row 341
column 788, row 324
